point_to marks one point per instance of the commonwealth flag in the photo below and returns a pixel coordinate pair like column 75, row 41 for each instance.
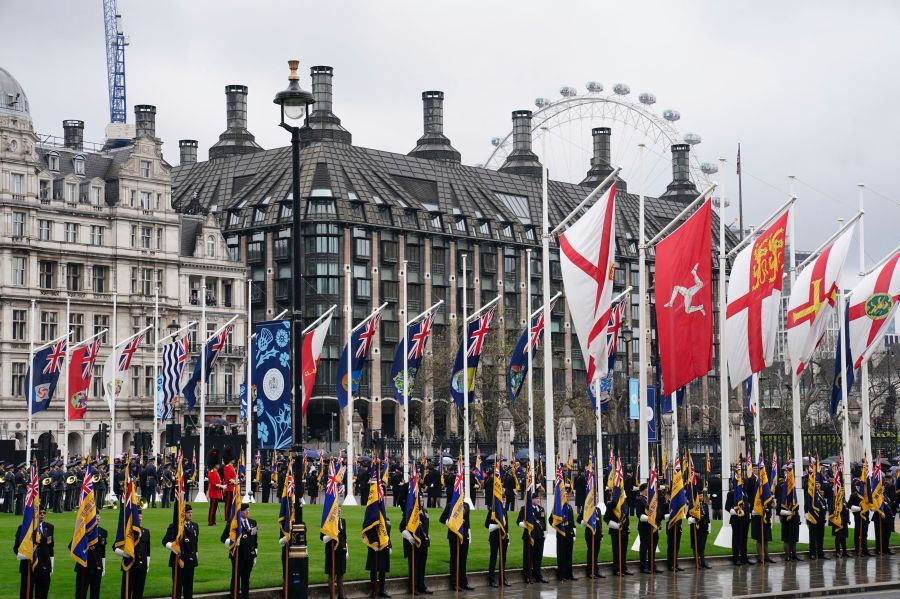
column 286, row 509
column 85, row 534
column 331, row 508
column 29, row 536
column 498, row 512
column 128, row 528
column 456, row 521
column 590, row 501
column 374, row 532
column 472, row 345
column 413, row 511
column 678, row 501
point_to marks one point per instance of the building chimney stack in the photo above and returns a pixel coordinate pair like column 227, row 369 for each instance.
column 323, row 124
column 681, row 188
column 434, row 145
column 601, row 160
column 236, row 139
column 188, row 149
column 145, row 120
column 522, row 160
column 73, row 134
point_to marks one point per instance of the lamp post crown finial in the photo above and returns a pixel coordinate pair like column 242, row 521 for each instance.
column 294, row 65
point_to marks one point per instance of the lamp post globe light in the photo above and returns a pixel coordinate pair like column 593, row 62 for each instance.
column 294, row 103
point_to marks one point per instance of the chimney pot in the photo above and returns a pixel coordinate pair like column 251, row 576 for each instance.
column 522, row 161
column 433, row 102
column 236, row 106
column 681, row 187
column 434, row 145
column 322, row 124
column 236, row 139
column 188, row 150
column 73, row 134
column 145, row 120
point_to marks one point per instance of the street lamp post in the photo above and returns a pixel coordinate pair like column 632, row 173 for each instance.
column 294, row 103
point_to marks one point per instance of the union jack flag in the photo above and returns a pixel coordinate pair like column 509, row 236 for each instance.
column 218, row 345
column 365, row 337
column 128, row 353
column 614, row 328
column 90, row 356
column 56, row 357
column 476, row 341
column 420, row 338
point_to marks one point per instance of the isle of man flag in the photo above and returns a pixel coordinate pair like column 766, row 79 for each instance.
column 813, row 298
column 871, row 306
column 754, row 297
column 587, row 261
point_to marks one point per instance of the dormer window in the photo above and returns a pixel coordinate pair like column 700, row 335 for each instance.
column 53, row 162
column 211, row 246
column 145, row 168
column 78, row 164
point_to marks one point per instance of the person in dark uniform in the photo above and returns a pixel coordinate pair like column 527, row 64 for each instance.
column 9, row 488
column 459, row 549
column 648, row 538
column 57, row 487
column 183, row 573
column 166, row 485
column 39, row 576
column 433, row 482
column 592, row 542
column 338, row 548
column 565, row 544
column 839, row 523
column 135, row 577
column 884, row 523
column 788, row 510
column 580, row 484
column 533, row 542
column 150, row 476
column 495, row 538
column 737, row 521
column 420, row 553
column 265, row 484
column 245, row 554
column 20, row 489
column 700, row 530
column 618, row 535
column 860, row 519
column 673, row 537
column 378, row 563
column 817, row 530
column 396, row 480
column 89, row 576
column 509, row 491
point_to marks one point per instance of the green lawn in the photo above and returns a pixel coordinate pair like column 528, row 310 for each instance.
column 212, row 574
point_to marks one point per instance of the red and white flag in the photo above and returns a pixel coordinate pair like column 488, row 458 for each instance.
column 684, row 315
column 871, row 306
column 312, row 351
column 813, row 299
column 754, row 298
column 587, row 260
column 81, row 369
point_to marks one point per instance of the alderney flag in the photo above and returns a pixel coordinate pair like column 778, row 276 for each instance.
column 115, row 370
column 684, row 313
column 312, row 351
column 871, row 306
column 81, row 367
column 754, row 296
column 587, row 259
column 812, row 302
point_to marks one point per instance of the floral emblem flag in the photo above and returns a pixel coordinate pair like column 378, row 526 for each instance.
column 271, row 387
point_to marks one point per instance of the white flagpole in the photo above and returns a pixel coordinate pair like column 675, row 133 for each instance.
column 201, row 473
column 29, row 392
column 843, row 371
column 66, row 384
column 530, row 365
column 865, row 421
column 723, row 539
column 111, row 492
column 249, row 496
column 154, row 446
column 549, row 439
column 406, row 375
column 349, row 495
column 465, row 379
column 754, row 398
column 643, row 329
column 598, row 487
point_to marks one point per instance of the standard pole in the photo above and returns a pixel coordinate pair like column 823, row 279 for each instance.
column 530, row 375
column 154, row 446
column 406, row 369
column 350, row 497
column 724, row 537
column 843, row 372
column 549, row 439
column 865, row 421
column 29, row 395
column 599, row 483
column 113, row 398
column 201, row 471
column 66, row 384
column 465, row 379
column 643, row 328
column 754, row 397
column 249, row 496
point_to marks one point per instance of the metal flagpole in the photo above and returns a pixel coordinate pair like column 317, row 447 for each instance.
column 754, row 398
column 843, row 379
column 29, row 393
column 112, row 402
column 528, row 348
column 549, row 439
column 201, row 469
column 599, row 484
column 643, row 328
column 154, row 446
column 865, row 422
column 350, row 496
column 249, row 496
column 723, row 539
column 465, row 379
column 406, row 369
column 66, row 383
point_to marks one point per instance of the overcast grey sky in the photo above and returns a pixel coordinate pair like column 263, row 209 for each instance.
column 808, row 88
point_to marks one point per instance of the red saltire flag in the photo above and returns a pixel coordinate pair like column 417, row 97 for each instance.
column 587, row 261
column 813, row 299
column 312, row 351
column 81, row 368
column 754, row 301
column 684, row 313
column 872, row 305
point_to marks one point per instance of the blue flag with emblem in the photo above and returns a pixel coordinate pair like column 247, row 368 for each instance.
column 360, row 344
column 416, row 340
column 529, row 340
column 86, row 533
column 469, row 352
column 271, row 386
column 46, row 366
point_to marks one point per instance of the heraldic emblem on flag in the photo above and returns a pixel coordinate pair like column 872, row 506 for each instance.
column 871, row 306
column 473, row 344
column 416, row 341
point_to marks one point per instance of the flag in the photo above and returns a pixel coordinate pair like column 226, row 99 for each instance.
column 331, row 508
column 587, row 261
column 678, row 502
column 416, row 341
column 837, row 516
column 754, row 302
column 472, row 345
column 870, row 307
column 841, row 357
column 529, row 341
column 178, row 518
column 374, row 532
column 652, row 498
column 286, row 509
column 29, row 536
column 46, row 368
column 877, row 489
column 529, row 521
column 360, row 343
column 789, row 490
column 128, row 516
column 477, row 472
column 455, row 523
column 498, row 512
column 214, row 347
column 174, row 357
column 763, row 490
column 85, row 534
column 558, row 518
column 683, row 281
column 413, row 511
column 669, row 401
column 234, row 526
column 613, row 329
column 590, row 502
column 618, row 490
column 115, row 369
column 693, row 500
column 738, row 486
column 811, row 489
column 81, row 368
column 812, row 302
column 271, row 392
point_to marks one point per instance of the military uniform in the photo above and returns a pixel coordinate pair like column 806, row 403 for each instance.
column 738, row 523
column 89, row 576
column 378, row 563
column 459, row 549
column 246, row 555
column 135, row 577
column 533, row 544
column 39, row 576
column 420, row 553
column 495, row 540
column 648, row 537
column 183, row 579
column 618, row 535
column 565, row 544
column 699, row 534
column 592, row 542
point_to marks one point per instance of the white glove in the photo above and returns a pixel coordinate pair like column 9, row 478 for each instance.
column 574, row 535
column 493, row 527
column 785, row 512
column 469, row 536
column 692, row 520
column 20, row 557
column 104, row 567
column 119, row 552
column 390, row 550
column 613, row 525
column 521, row 524
column 732, row 512
column 148, row 563
column 407, row 535
column 855, row 508
column 666, row 517
column 254, row 561
column 325, row 539
column 282, row 541
column 644, row 518
column 228, row 543
column 52, row 563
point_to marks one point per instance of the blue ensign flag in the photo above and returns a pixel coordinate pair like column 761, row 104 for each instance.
column 46, row 366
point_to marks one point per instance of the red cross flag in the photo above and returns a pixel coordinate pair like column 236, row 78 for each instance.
column 684, row 314
column 812, row 302
column 587, row 260
column 871, row 306
column 754, row 297
column 312, row 351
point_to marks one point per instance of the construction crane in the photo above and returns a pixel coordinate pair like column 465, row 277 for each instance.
column 115, row 61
